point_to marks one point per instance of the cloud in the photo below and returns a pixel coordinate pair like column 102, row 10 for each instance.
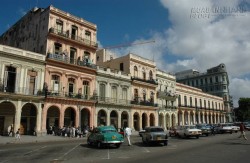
column 219, row 35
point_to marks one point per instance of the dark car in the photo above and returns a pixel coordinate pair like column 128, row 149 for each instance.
column 205, row 129
column 172, row 132
column 105, row 135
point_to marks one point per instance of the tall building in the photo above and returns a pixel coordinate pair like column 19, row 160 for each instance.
column 69, row 44
column 214, row 81
column 144, row 109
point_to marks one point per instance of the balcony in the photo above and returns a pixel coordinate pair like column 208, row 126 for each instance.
column 65, row 34
column 21, row 90
column 150, row 81
column 167, row 95
column 65, row 59
column 61, row 94
column 164, row 107
column 143, row 103
column 109, row 100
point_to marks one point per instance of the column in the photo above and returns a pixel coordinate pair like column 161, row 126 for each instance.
column 119, row 119
column 194, row 117
column 189, row 118
column 108, row 118
column 39, row 119
column 182, row 117
column 61, row 119
column 18, row 115
column 203, row 117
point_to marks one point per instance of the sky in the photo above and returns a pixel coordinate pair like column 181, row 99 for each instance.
column 188, row 34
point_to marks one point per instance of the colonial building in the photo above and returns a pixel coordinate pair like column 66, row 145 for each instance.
column 21, row 90
column 144, row 109
column 166, row 99
column 195, row 106
column 113, row 97
column 69, row 44
column 214, row 81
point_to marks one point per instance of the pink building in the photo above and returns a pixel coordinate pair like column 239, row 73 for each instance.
column 69, row 44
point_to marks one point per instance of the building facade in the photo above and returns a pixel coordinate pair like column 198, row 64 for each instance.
column 113, row 97
column 69, row 44
column 21, row 90
column 166, row 99
column 215, row 81
column 195, row 106
column 144, row 109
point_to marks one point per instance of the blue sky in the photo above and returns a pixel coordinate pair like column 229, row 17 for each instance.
column 189, row 34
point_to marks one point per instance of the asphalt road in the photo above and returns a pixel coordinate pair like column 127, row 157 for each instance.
column 220, row 148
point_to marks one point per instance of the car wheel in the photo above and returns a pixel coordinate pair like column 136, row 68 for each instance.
column 89, row 143
column 99, row 145
column 165, row 143
column 206, row 134
column 197, row 137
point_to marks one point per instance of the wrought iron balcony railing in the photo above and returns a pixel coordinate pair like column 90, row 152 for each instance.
column 53, row 93
column 68, row 60
column 22, row 90
column 67, row 35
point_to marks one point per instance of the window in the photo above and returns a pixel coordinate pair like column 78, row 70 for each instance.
column 144, row 95
column 74, row 33
column 205, row 105
column 211, row 80
column 200, row 103
column 86, row 89
column 55, row 84
column 152, row 97
column 71, row 86
column 86, row 57
column 205, row 80
column 197, row 83
column 195, row 100
column 201, row 81
column 121, row 66
column 179, row 100
column 135, row 71
column 114, row 93
column 124, row 93
column 102, row 92
column 31, row 82
column 136, row 96
column 59, row 26
column 208, row 104
column 216, row 79
column 191, row 101
column 150, row 75
column 72, row 55
column 185, row 100
column 57, row 48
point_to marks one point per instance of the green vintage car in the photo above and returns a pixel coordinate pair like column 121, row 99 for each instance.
column 105, row 135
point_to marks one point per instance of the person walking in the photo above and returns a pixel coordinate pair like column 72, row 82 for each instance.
column 242, row 131
column 18, row 135
column 128, row 132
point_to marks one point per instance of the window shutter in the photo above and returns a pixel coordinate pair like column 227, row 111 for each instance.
column 5, row 80
column 26, row 89
column 36, row 81
column 17, row 83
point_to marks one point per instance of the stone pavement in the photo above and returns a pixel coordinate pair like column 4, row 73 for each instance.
column 37, row 139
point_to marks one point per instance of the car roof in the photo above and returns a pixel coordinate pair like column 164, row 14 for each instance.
column 106, row 127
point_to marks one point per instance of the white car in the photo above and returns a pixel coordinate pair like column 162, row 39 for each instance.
column 234, row 127
column 188, row 131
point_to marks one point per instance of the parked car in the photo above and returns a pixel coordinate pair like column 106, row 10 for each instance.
column 205, row 129
column 105, row 135
column 141, row 132
column 172, row 131
column 154, row 134
column 188, row 131
column 223, row 128
column 234, row 127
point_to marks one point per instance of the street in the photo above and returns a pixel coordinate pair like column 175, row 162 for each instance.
column 219, row 148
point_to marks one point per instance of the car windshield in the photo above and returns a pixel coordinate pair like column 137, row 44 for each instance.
column 108, row 130
column 156, row 130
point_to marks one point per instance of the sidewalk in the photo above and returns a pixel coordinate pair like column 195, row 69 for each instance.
column 35, row 139
column 38, row 139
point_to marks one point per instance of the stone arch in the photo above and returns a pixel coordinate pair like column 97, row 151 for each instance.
column 70, row 117
column 85, row 118
column 144, row 120
column 161, row 120
column 136, row 121
column 125, row 119
column 101, row 117
column 53, row 117
column 7, row 118
column 114, row 118
column 152, row 119
column 28, row 119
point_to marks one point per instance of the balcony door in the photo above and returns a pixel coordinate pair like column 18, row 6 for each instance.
column 10, row 79
column 74, row 32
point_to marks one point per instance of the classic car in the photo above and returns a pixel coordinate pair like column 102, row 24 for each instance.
column 105, row 135
column 205, row 129
column 154, row 134
column 141, row 132
column 188, row 131
column 223, row 128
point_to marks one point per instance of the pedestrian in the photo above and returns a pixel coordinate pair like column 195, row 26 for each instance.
column 128, row 132
column 242, row 131
column 11, row 130
column 18, row 135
